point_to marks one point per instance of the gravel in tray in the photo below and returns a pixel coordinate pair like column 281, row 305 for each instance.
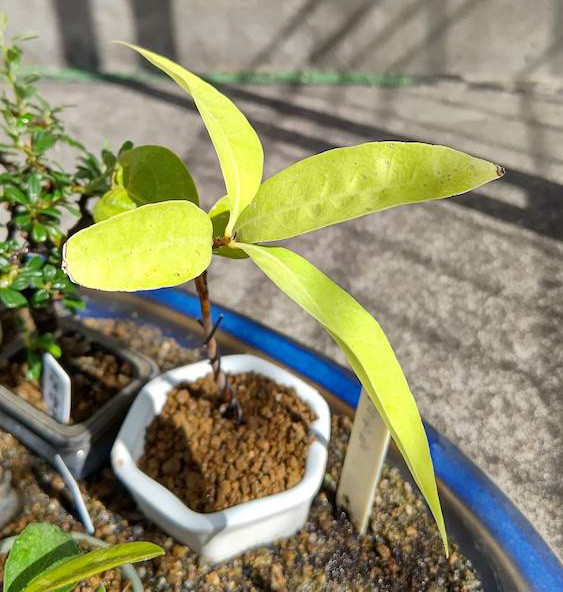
column 401, row 552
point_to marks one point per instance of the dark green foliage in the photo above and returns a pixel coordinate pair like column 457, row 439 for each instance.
column 35, row 192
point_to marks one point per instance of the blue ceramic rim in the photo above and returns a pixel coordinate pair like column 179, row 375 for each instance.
column 529, row 553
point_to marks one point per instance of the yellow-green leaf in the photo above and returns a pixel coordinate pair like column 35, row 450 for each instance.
column 238, row 148
column 154, row 246
column 346, row 183
column 153, row 173
column 83, row 567
column 368, row 351
column 219, row 215
column 113, row 202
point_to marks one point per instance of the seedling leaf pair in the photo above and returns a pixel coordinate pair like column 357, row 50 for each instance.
column 165, row 244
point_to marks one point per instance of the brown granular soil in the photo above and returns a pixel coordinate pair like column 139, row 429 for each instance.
column 96, row 376
column 209, row 461
column 401, row 551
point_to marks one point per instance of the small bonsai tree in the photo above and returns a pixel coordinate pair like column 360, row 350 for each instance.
column 167, row 239
column 45, row 558
column 35, row 192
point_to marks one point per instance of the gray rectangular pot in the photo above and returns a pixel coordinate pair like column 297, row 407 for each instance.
column 83, row 446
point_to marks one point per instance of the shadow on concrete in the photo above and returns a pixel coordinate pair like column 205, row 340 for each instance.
column 77, row 33
column 285, row 31
column 327, row 45
column 154, row 28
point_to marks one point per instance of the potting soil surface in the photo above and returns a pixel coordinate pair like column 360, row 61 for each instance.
column 212, row 462
column 401, row 551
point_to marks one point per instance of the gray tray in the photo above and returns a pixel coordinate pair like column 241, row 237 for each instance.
column 82, row 446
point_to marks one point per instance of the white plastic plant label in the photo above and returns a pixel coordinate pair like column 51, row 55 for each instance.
column 367, row 449
column 55, row 386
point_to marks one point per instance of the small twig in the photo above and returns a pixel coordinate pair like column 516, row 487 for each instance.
column 231, row 405
column 215, row 327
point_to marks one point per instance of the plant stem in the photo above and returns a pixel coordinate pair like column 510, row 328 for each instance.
column 231, row 403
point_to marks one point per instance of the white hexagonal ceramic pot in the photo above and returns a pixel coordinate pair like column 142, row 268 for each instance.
column 218, row 536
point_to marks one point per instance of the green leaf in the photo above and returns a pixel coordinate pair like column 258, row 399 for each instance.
column 33, row 186
column 36, row 549
column 83, row 567
column 16, row 195
column 39, row 298
column 113, row 202
column 49, row 272
column 12, row 298
column 42, row 141
column 22, row 220
column 20, row 282
column 154, row 246
column 48, row 342
column 153, row 173
column 219, row 215
column 38, row 232
column 368, row 352
column 34, row 365
column 236, row 143
column 346, row 183
column 34, row 263
column 127, row 145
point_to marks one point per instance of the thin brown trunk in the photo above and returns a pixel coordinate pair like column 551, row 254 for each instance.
column 232, row 405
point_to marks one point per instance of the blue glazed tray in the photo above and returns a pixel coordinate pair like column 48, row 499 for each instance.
column 505, row 548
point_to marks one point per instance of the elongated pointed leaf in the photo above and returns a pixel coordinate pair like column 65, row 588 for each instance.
column 37, row 548
column 236, row 143
column 153, row 173
column 154, row 246
column 346, row 183
column 368, row 351
column 113, row 202
column 81, row 568
column 219, row 215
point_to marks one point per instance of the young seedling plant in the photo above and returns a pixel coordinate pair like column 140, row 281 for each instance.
column 167, row 239
column 44, row 558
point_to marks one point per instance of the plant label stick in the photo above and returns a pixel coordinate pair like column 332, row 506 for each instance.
column 77, row 498
column 55, row 386
column 363, row 464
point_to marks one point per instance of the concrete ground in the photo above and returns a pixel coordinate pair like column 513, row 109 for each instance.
column 469, row 290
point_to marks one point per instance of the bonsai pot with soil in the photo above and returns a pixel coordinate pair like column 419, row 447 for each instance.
column 225, row 493
column 105, row 377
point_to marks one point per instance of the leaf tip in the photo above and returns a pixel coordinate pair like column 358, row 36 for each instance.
column 500, row 171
